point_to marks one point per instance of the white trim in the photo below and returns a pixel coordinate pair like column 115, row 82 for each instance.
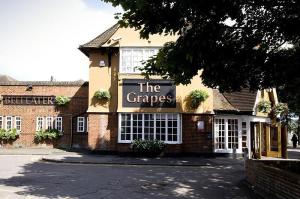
column 83, row 124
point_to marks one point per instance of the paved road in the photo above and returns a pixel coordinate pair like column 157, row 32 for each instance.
column 22, row 176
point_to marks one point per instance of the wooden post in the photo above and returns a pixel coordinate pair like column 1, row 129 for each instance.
column 284, row 142
column 268, row 143
column 258, row 137
column 279, row 140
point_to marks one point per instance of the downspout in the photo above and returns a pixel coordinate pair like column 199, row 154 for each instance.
column 71, row 135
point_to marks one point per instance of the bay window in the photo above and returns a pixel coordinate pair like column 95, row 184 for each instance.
column 131, row 58
column 150, row 126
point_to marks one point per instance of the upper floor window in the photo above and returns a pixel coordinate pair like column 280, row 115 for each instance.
column 131, row 58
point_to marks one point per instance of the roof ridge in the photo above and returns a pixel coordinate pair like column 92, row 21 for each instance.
column 110, row 31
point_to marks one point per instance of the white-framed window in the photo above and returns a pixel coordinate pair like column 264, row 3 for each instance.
column 58, row 123
column 9, row 123
column 149, row 126
column 39, row 123
column 80, row 124
column 18, row 123
column 1, row 122
column 49, row 122
column 131, row 58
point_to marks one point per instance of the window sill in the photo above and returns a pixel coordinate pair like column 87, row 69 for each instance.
column 129, row 142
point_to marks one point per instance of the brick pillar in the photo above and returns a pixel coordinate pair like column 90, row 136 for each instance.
column 93, row 131
column 102, row 133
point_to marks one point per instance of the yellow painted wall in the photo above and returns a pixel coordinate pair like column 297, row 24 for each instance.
column 131, row 38
column 266, row 96
column 108, row 78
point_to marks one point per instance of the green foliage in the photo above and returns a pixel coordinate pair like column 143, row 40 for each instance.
column 247, row 51
column 62, row 100
column 264, row 106
column 198, row 96
column 11, row 134
column 48, row 134
column 280, row 109
column 102, row 95
column 149, row 148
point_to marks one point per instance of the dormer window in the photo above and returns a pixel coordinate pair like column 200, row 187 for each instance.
column 131, row 58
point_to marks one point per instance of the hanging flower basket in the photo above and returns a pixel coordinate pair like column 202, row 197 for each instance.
column 102, row 95
column 280, row 110
column 198, row 96
column 62, row 100
column 264, row 106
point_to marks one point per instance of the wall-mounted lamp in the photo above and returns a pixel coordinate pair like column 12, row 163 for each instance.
column 29, row 87
column 102, row 63
column 200, row 125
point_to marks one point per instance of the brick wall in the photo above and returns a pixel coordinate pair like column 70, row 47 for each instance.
column 103, row 131
column 103, row 134
column 28, row 113
column 271, row 180
column 195, row 141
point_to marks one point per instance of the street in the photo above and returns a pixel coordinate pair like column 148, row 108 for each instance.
column 23, row 176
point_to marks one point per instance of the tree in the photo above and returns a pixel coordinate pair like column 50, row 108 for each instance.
column 237, row 44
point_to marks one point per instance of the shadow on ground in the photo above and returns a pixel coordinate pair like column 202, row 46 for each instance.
column 58, row 180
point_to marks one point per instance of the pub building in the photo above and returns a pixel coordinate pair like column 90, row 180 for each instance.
column 139, row 108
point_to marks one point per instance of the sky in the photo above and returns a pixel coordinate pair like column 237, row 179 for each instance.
column 40, row 38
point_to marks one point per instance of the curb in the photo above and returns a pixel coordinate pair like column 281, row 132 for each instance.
column 123, row 163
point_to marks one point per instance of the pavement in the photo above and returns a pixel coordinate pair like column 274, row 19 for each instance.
column 84, row 157
column 79, row 175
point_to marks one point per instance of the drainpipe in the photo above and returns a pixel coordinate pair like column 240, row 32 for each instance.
column 71, row 135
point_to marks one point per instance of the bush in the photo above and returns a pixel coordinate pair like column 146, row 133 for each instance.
column 48, row 134
column 198, row 96
column 62, row 100
column 102, row 95
column 264, row 106
column 11, row 134
column 149, row 148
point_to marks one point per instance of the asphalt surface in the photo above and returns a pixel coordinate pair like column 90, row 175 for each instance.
column 24, row 176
